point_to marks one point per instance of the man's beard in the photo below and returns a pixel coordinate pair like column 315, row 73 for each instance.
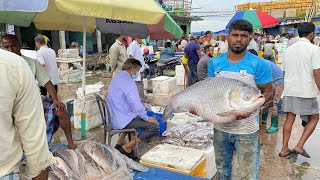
column 238, row 50
column 210, row 55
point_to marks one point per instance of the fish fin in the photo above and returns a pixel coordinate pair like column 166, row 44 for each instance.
column 228, row 113
column 168, row 112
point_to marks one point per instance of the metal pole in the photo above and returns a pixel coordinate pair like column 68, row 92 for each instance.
column 62, row 39
column 99, row 43
column 84, row 53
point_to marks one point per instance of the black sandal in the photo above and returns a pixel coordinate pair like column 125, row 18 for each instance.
column 129, row 155
column 290, row 152
column 303, row 153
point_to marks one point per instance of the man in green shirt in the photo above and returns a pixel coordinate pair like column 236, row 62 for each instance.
column 11, row 43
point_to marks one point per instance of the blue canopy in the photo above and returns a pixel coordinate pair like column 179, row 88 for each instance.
column 225, row 31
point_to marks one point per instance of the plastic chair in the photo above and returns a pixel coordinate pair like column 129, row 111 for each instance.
column 105, row 116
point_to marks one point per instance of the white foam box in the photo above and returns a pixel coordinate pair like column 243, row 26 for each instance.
column 68, row 53
column 91, row 122
column 180, row 81
column 177, row 159
column 92, row 111
column 163, row 99
column 163, row 84
column 211, row 168
column 180, row 71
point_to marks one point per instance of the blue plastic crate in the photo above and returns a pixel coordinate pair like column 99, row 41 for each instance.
column 158, row 117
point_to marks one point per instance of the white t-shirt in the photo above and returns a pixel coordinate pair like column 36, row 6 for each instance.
column 184, row 44
column 134, row 50
column 47, row 57
column 300, row 59
column 223, row 45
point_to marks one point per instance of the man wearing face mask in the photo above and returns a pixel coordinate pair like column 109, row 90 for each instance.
column 118, row 54
column 202, row 67
column 127, row 110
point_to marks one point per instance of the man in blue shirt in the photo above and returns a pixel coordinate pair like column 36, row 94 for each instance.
column 127, row 110
column 193, row 54
column 278, row 84
column 241, row 135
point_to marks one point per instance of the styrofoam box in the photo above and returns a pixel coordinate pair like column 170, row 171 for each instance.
column 180, row 81
column 180, row 70
column 163, row 85
column 91, row 107
column 180, row 158
column 68, row 53
column 163, row 99
column 211, row 168
column 91, row 122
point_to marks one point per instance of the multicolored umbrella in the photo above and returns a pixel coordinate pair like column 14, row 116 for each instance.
column 165, row 29
column 258, row 19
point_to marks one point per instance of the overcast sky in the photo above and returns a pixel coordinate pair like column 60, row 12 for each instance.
column 215, row 23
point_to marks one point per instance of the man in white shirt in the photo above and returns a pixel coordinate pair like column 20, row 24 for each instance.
column 301, row 87
column 47, row 57
column 134, row 51
column 183, row 44
column 22, row 124
column 253, row 45
column 209, row 39
column 223, row 45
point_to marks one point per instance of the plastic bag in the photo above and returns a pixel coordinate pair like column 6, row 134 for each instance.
column 199, row 135
column 179, row 131
column 174, row 141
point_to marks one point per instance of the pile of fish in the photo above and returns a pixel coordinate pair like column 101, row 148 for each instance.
column 219, row 100
column 92, row 161
column 188, row 135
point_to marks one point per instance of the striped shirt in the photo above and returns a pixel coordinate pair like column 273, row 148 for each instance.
column 251, row 70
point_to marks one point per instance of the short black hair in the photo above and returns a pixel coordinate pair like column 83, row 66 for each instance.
column 242, row 25
column 131, row 63
column 207, row 32
column 256, row 34
column 10, row 37
column 206, row 48
column 304, row 29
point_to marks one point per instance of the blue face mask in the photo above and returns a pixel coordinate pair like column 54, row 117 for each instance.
column 135, row 76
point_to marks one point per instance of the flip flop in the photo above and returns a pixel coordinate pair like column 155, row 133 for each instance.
column 290, row 152
column 117, row 146
column 129, row 155
column 303, row 153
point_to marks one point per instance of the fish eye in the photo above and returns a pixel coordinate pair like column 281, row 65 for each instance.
column 246, row 97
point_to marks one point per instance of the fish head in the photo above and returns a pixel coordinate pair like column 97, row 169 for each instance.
column 245, row 98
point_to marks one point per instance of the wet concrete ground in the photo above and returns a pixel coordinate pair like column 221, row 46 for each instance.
column 272, row 167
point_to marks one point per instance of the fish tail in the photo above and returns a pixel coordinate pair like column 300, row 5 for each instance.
column 168, row 112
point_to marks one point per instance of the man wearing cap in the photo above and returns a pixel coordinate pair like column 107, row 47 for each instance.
column 193, row 54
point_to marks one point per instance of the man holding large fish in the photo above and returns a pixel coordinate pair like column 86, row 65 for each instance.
column 242, row 83
column 240, row 136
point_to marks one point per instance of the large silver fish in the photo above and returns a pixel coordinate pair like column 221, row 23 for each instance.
column 102, row 155
column 218, row 100
column 73, row 160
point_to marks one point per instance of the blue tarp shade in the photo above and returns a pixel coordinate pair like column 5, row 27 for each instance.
column 24, row 5
column 225, row 31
